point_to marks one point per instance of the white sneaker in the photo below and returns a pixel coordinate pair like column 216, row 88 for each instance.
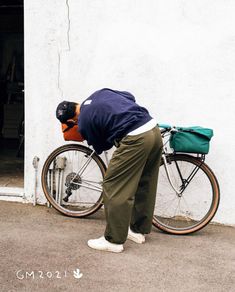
column 103, row 244
column 136, row 237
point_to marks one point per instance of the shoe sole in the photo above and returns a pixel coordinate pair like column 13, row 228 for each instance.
column 105, row 249
column 135, row 239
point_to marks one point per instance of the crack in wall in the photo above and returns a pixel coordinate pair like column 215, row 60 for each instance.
column 68, row 21
column 60, row 52
column 58, row 76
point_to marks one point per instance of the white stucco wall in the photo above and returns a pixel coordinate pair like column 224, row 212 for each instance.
column 176, row 57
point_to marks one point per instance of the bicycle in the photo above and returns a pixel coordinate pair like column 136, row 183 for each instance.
column 187, row 197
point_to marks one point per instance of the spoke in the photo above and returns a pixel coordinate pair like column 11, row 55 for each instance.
column 164, row 177
column 189, row 212
column 188, row 218
column 82, row 192
column 176, row 208
column 168, row 203
column 191, row 208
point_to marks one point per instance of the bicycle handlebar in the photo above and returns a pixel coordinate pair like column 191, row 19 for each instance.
column 164, row 126
column 167, row 128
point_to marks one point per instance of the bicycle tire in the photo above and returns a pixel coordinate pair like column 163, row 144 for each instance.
column 52, row 182
column 190, row 220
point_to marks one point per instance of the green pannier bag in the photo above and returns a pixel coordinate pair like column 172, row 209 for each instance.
column 191, row 140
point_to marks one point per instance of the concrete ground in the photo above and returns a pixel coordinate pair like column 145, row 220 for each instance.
column 40, row 250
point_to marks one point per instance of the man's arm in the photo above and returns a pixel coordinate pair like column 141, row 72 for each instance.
column 93, row 137
column 92, row 128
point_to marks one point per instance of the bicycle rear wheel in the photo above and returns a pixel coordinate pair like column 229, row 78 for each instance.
column 72, row 180
column 197, row 204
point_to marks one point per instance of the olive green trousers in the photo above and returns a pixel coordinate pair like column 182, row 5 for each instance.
column 130, row 183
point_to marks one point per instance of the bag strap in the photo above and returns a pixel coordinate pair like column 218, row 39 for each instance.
column 69, row 125
column 197, row 132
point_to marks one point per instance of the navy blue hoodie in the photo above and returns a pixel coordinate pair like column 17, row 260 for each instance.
column 109, row 115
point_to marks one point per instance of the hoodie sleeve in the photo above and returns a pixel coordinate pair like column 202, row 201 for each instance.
column 92, row 129
column 93, row 138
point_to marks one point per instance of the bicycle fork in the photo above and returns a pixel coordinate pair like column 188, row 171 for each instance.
column 185, row 182
column 168, row 174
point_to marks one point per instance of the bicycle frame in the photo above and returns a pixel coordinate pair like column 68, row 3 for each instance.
column 185, row 182
column 77, row 170
column 85, row 183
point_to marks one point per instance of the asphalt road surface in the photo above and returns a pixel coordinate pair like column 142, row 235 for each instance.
column 42, row 250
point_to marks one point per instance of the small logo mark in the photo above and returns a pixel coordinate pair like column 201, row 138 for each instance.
column 77, row 274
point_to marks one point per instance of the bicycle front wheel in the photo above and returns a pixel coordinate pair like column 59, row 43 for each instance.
column 72, row 180
column 197, row 202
